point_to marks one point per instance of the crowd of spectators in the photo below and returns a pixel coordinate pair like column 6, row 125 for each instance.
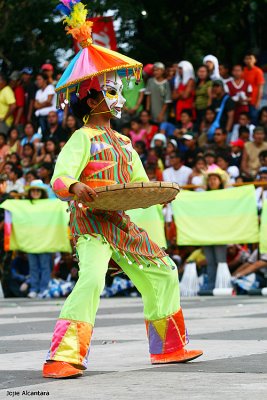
column 182, row 122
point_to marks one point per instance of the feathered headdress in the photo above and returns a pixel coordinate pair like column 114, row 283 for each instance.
column 92, row 60
column 75, row 17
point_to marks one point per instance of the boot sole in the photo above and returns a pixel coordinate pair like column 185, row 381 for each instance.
column 176, row 362
column 62, row 377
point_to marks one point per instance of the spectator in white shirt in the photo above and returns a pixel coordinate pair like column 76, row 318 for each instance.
column 45, row 100
column 243, row 120
column 261, row 191
column 177, row 173
column 15, row 182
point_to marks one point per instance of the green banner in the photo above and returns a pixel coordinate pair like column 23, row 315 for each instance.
column 38, row 226
column 151, row 220
column 216, row 217
column 263, row 229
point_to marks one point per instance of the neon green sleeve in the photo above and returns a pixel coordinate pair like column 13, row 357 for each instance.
column 70, row 163
column 139, row 173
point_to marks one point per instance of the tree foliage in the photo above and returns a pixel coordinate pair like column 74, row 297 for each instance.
column 175, row 30
column 168, row 30
column 29, row 35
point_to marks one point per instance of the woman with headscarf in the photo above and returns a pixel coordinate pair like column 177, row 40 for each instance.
column 184, row 88
column 213, row 66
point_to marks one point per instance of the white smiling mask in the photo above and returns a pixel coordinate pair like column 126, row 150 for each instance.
column 111, row 87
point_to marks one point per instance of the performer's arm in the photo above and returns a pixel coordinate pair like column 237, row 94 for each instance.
column 139, row 173
column 70, row 163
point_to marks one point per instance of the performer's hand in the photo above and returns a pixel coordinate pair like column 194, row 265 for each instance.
column 83, row 192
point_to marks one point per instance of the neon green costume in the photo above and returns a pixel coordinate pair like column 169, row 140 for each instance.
column 99, row 156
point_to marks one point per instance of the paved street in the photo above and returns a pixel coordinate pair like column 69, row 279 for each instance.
column 231, row 331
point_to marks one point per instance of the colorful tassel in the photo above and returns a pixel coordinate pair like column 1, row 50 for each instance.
column 58, row 102
column 78, row 89
column 105, row 82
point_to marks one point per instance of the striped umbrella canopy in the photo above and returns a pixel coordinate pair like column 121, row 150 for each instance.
column 96, row 60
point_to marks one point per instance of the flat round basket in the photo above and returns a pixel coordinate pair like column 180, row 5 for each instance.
column 134, row 195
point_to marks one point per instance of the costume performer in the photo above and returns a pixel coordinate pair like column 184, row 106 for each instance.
column 94, row 156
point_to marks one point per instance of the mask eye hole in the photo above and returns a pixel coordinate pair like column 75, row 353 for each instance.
column 112, row 92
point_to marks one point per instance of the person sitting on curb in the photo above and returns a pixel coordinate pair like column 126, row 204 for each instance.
column 257, row 262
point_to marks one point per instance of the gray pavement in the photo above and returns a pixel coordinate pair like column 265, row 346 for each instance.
column 231, row 331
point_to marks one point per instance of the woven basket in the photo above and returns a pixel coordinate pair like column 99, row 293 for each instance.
column 134, row 195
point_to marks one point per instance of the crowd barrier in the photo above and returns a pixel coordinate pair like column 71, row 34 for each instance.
column 238, row 184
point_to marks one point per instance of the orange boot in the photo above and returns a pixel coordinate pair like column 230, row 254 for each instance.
column 60, row 369
column 179, row 356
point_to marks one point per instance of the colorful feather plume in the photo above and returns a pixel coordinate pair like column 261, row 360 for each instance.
column 75, row 14
column 66, row 6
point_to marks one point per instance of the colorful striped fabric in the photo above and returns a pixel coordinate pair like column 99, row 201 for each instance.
column 7, row 230
column 152, row 221
column 95, row 60
column 111, row 160
column 168, row 334
column 71, row 342
column 113, row 164
column 61, row 186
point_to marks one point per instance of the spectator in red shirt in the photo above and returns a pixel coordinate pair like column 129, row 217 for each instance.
column 15, row 84
column 184, row 91
column 254, row 76
column 240, row 91
column 146, row 124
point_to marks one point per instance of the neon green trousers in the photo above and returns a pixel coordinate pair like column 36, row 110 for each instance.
column 159, row 288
